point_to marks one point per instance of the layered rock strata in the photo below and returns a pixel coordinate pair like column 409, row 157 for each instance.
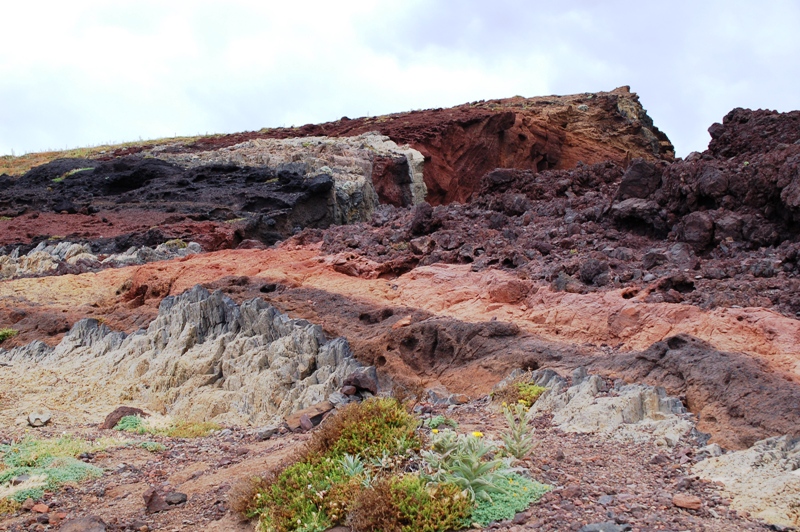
column 203, row 358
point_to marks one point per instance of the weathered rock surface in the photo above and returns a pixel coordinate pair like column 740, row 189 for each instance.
column 763, row 480
column 203, row 358
column 633, row 412
column 70, row 258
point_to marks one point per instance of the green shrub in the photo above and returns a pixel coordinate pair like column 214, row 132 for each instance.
column 7, row 333
column 131, row 424
column 409, row 504
column 152, row 446
column 520, row 390
column 177, row 429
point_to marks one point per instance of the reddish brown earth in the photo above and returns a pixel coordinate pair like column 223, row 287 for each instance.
column 462, row 143
column 554, row 236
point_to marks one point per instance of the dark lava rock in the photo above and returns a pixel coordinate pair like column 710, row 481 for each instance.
column 120, row 412
column 640, row 180
column 154, row 502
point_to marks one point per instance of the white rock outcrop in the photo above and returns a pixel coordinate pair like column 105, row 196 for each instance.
column 203, row 358
column 763, row 480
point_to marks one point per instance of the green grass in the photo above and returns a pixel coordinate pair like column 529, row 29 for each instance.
column 176, row 429
column 71, row 173
column 49, row 464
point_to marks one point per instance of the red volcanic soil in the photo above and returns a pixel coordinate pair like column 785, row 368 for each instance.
column 462, row 143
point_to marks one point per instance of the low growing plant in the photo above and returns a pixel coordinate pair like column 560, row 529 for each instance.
column 176, row 429
column 438, row 420
column 520, row 390
column 7, row 333
column 409, row 504
column 48, row 464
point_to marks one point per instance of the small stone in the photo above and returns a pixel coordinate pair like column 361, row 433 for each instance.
column 39, row 418
column 28, row 504
column 84, row 524
column 267, row 432
column 459, row 399
column 305, row 422
column 40, row 508
column 605, row 500
column 608, row 526
column 43, row 519
column 349, row 390
column 559, row 455
column 16, row 481
column 690, row 502
column 176, row 497
column 154, row 502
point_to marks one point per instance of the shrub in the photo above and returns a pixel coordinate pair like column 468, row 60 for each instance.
column 367, row 429
column 520, row 390
column 7, row 333
column 408, row 504
column 175, row 429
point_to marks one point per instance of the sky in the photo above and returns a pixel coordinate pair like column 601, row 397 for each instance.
column 90, row 72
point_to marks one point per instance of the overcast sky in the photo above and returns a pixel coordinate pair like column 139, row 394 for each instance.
column 84, row 72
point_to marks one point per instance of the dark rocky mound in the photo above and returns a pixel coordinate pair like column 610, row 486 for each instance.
column 711, row 230
column 274, row 202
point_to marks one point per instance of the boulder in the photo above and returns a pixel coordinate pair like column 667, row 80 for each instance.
column 120, row 412
column 364, row 379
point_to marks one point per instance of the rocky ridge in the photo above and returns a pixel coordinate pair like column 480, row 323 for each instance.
column 203, row 358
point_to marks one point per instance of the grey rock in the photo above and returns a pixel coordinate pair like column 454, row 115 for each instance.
column 249, row 363
column 84, row 524
column 605, row 500
column 608, row 526
column 175, row 497
column 363, row 379
column 39, row 418
column 265, row 433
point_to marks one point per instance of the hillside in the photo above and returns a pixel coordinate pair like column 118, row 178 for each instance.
column 248, row 279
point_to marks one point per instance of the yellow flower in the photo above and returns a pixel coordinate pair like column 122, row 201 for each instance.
column 435, row 431
column 478, row 434
column 505, row 404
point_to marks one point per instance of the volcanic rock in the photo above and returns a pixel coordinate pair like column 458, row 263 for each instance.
column 120, row 412
column 84, row 524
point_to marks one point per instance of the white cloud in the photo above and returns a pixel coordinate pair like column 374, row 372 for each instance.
column 88, row 72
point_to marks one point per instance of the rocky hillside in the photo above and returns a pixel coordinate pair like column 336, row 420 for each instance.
column 274, row 276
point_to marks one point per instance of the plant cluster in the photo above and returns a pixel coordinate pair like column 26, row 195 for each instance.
column 438, row 420
column 6, row 333
column 176, row 429
column 48, row 464
column 518, row 441
column 520, row 390
column 364, row 468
